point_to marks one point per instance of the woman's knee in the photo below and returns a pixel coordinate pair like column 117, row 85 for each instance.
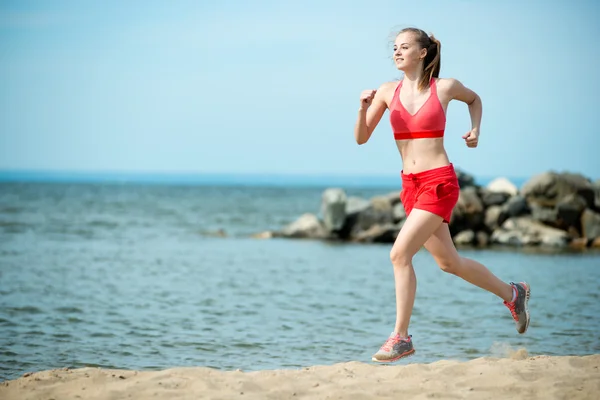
column 400, row 257
column 450, row 265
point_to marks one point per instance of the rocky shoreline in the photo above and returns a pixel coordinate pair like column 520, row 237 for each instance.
column 552, row 209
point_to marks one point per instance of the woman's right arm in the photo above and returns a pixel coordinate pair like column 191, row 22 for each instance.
column 372, row 107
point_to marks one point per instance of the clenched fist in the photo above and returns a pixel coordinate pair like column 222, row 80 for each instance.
column 472, row 138
column 366, row 98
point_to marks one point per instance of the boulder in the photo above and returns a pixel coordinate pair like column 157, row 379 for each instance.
column 464, row 238
column 306, row 226
column 596, row 187
column 590, row 224
column 333, row 208
column 468, row 212
column 398, row 212
column 546, row 215
column 513, row 238
column 525, row 231
column 263, row 235
column 578, row 244
column 354, row 205
column 378, row 233
column 382, row 203
column 464, row 179
column 514, row 207
column 549, row 188
column 393, row 197
column 492, row 217
column 569, row 210
column 493, row 198
column 502, row 185
column 482, row 239
column 366, row 214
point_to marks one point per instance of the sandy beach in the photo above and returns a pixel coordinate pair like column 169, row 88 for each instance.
column 516, row 377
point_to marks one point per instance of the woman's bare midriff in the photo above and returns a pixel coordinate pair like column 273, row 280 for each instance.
column 420, row 155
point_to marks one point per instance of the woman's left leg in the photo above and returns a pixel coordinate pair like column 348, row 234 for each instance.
column 515, row 296
column 442, row 248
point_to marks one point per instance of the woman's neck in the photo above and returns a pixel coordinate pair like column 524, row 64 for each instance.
column 411, row 79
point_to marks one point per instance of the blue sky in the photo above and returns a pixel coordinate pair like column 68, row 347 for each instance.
column 272, row 87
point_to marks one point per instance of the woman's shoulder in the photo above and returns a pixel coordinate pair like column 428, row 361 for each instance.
column 389, row 84
column 447, row 83
column 452, row 88
column 388, row 87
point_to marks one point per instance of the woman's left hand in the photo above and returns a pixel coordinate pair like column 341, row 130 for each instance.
column 472, row 138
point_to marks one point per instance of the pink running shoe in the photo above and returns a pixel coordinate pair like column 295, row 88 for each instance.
column 394, row 348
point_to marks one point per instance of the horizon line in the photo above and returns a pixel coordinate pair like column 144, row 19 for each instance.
column 219, row 178
column 175, row 173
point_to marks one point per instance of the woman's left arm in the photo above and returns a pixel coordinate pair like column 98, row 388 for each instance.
column 457, row 91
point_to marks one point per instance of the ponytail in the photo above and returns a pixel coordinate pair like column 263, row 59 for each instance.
column 431, row 63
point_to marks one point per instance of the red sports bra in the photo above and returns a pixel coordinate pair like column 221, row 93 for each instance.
column 428, row 122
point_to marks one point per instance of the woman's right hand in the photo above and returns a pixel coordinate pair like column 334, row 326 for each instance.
column 366, row 98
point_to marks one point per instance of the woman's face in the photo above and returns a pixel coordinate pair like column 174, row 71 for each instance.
column 407, row 51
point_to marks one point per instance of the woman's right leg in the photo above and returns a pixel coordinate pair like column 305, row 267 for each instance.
column 417, row 229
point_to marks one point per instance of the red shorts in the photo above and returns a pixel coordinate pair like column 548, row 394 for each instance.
column 435, row 190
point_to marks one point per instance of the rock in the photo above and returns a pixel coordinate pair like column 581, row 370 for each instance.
column 493, row 198
column 514, row 207
column 492, row 216
column 569, row 210
column 393, row 197
column 540, row 189
column 464, row 238
column 578, row 243
column 398, row 212
column 376, row 211
column 468, row 211
column 307, row 226
column 482, row 239
column 381, row 203
column 551, row 209
column 378, row 233
column 355, row 205
column 596, row 187
column 546, row 215
column 595, row 243
column 512, row 238
column 502, row 185
column 263, row 235
column 333, row 208
column 548, row 188
column 581, row 185
column 590, row 224
column 464, row 180
column 525, row 231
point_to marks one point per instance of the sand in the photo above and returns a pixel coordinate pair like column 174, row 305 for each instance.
column 539, row 377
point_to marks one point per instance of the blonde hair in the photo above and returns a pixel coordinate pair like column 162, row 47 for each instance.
column 432, row 62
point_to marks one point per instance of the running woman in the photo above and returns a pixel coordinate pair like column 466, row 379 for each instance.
column 430, row 190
